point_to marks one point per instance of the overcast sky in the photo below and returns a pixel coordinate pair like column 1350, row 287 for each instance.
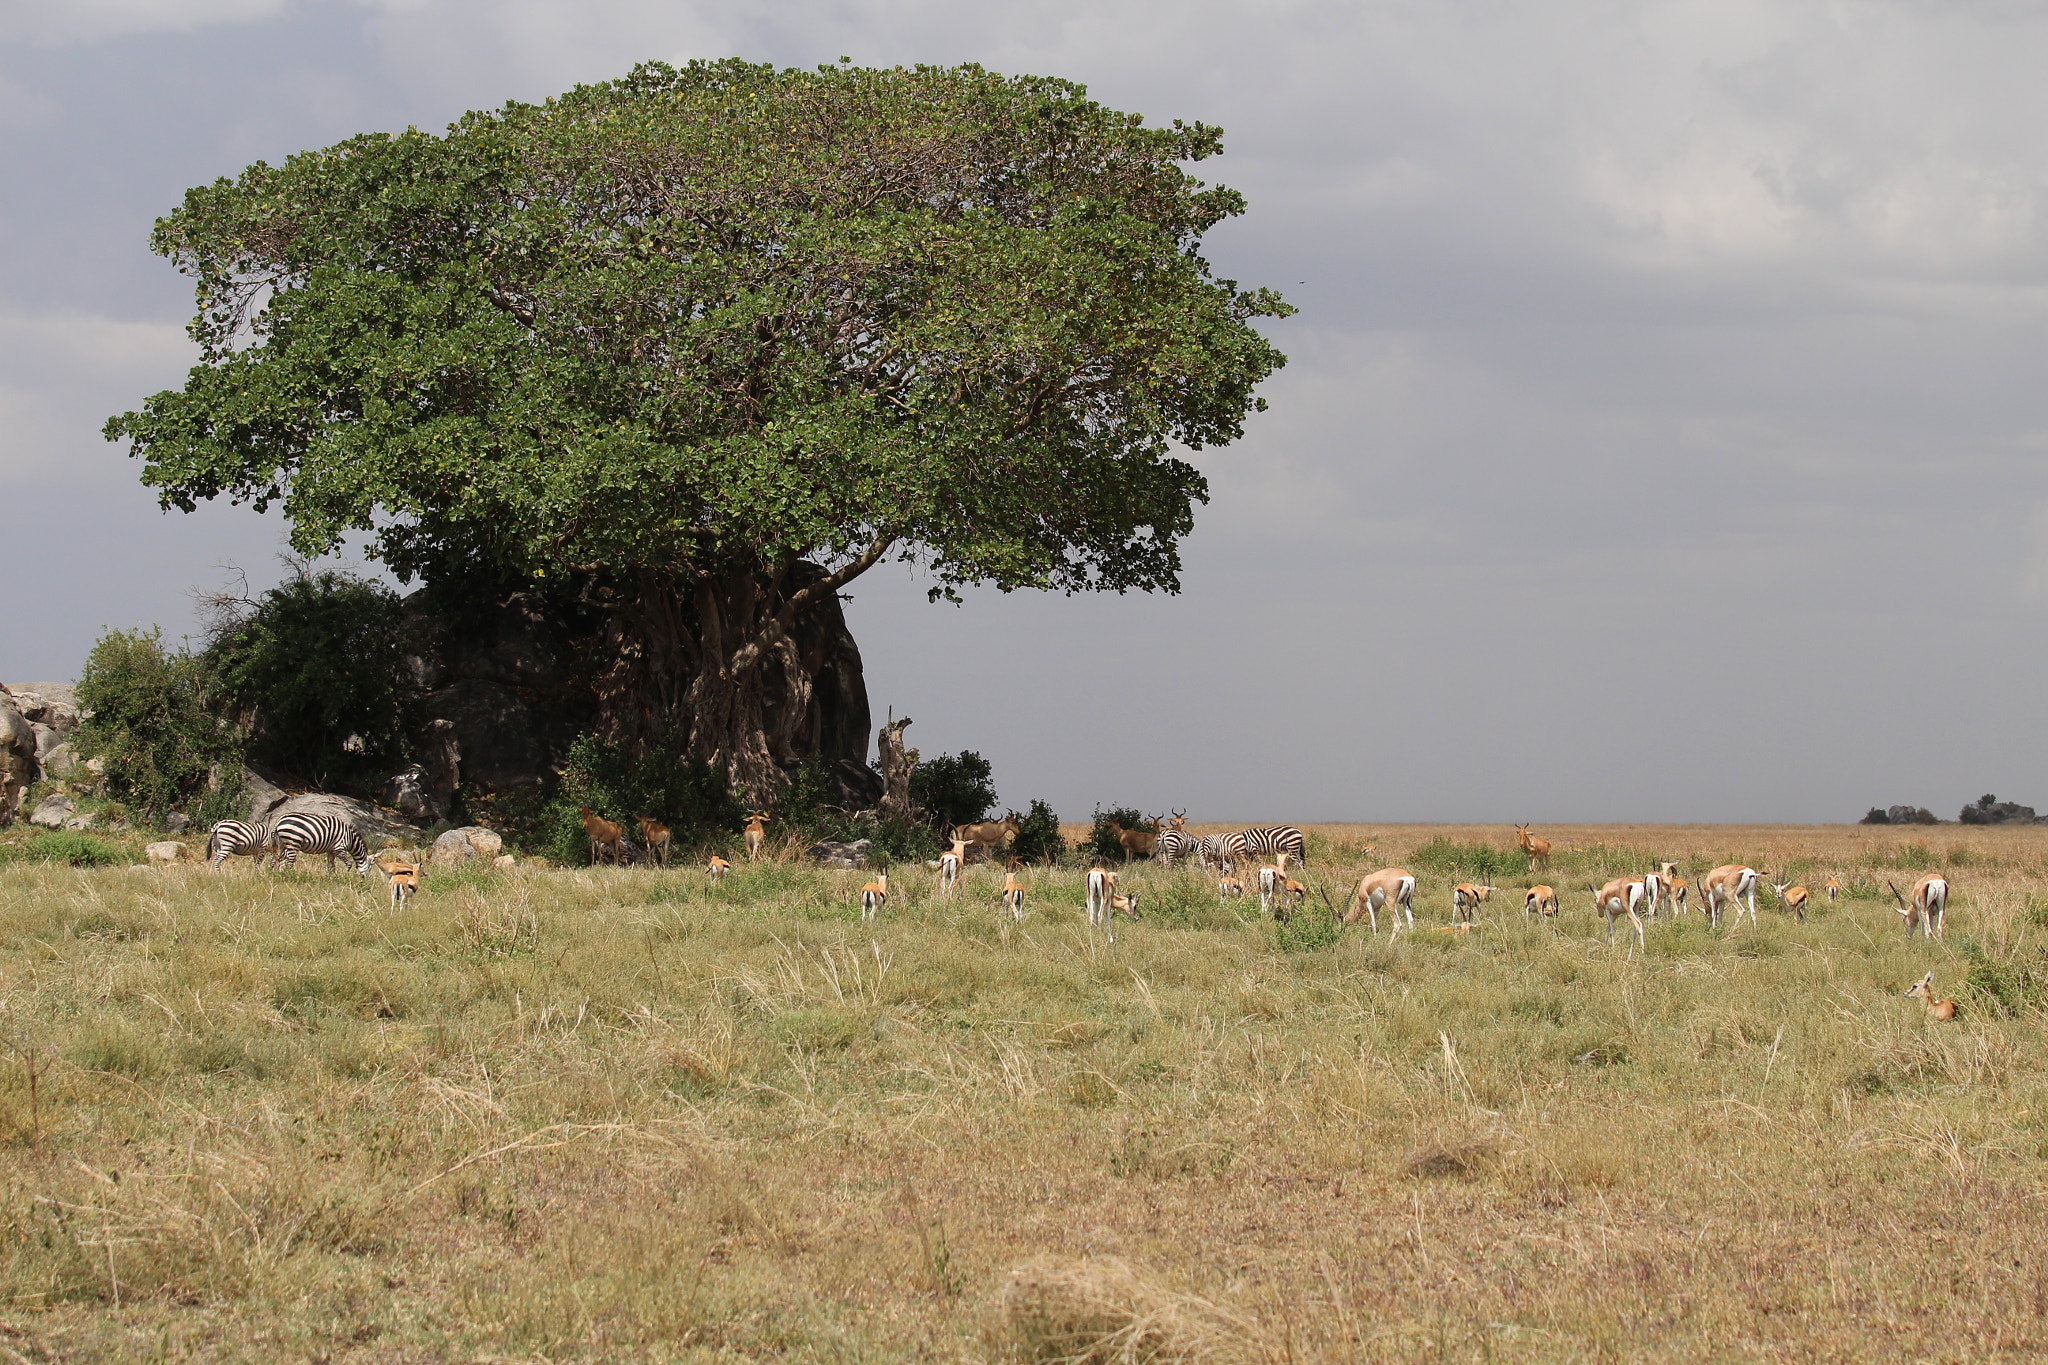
column 1665, row 435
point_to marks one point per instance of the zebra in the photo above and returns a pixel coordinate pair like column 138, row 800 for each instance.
column 1221, row 851
column 1172, row 844
column 239, row 838
column 300, row 833
column 1273, row 839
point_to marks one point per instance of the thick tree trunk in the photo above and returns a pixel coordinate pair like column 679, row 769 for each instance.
column 897, row 766
column 715, row 669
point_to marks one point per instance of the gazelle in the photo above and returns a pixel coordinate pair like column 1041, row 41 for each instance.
column 1294, row 892
column 1674, row 892
column 1537, row 849
column 405, row 881
column 1269, row 887
column 1229, row 888
column 1833, row 889
column 603, row 835
column 874, row 896
column 1467, row 898
column 1942, row 1010
column 717, row 867
column 1726, row 883
column 950, row 863
column 1622, row 896
column 1793, row 898
column 1541, row 899
column 1127, row 904
column 1653, row 892
column 756, row 832
column 1101, row 886
column 654, row 838
column 1013, row 895
column 1392, row 889
column 1928, row 908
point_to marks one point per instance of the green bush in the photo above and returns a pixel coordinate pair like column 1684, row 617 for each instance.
column 690, row 796
column 1445, row 857
column 79, row 850
column 318, row 668
column 953, row 789
column 2010, row 988
column 151, row 716
column 1100, row 843
column 1038, row 835
column 1312, row 927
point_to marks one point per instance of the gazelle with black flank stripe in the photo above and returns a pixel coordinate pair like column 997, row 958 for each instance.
column 1927, row 910
column 329, row 834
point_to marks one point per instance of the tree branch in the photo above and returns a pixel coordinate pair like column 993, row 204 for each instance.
column 778, row 625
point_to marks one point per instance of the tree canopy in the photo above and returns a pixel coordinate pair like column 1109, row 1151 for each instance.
column 694, row 326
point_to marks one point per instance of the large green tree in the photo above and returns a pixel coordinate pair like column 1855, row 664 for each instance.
column 687, row 334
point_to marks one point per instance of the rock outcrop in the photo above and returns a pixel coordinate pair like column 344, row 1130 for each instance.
column 1989, row 810
column 379, row 826
column 470, row 844
column 17, row 759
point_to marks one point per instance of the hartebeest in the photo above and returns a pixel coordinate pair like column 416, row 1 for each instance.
column 717, row 867
column 1466, row 899
column 874, row 896
column 603, row 835
column 1928, row 908
column 1942, row 1010
column 1622, row 896
column 1726, row 883
column 989, row 834
column 1537, row 849
column 1136, row 843
column 1013, row 895
column 1390, row 888
column 1542, row 899
column 1793, row 898
column 756, row 832
column 654, row 838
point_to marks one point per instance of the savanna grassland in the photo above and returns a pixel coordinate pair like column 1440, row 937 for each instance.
column 620, row 1114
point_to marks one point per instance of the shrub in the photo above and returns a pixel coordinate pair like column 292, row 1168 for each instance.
column 2010, row 987
column 1100, row 843
column 1038, row 835
column 690, row 796
column 150, row 718
column 1875, row 816
column 318, row 669
column 1445, row 857
column 954, row 789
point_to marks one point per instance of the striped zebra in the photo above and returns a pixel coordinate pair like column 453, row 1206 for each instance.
column 300, row 833
column 1172, row 844
column 239, row 839
column 1220, row 851
column 1273, row 840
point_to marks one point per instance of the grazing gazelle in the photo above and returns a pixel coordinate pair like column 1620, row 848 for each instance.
column 1537, row 849
column 717, row 867
column 1294, row 892
column 1793, row 898
column 1622, row 896
column 874, row 896
column 756, row 833
column 1833, row 888
column 1928, row 908
column 1729, row 883
column 949, row 866
column 1127, row 904
column 1936, row 1009
column 1674, row 892
column 1269, row 887
column 1391, row 889
column 405, row 881
column 654, row 838
column 1541, row 899
column 1467, row 898
column 1013, row 895
column 1101, row 886
column 1653, row 892
column 1229, row 888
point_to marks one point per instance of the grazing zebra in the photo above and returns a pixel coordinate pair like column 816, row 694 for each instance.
column 1273, row 840
column 1173, row 844
column 296, row 834
column 239, row 838
column 1221, row 851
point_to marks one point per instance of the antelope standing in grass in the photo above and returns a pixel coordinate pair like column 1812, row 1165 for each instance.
column 1127, row 904
column 1941, row 1010
column 1467, row 898
column 1391, row 889
column 874, row 896
column 989, row 834
column 717, row 867
column 1674, row 892
column 1541, row 899
column 1622, row 896
column 1927, row 909
column 1101, row 886
column 1294, row 892
column 1269, row 887
column 603, row 835
column 1793, row 898
column 1730, row 882
column 950, row 863
column 1013, row 895
column 757, row 832
column 405, row 881
column 1136, row 843
column 1229, row 888
column 1833, row 889
column 654, row 838
column 1653, row 892
column 1537, row 849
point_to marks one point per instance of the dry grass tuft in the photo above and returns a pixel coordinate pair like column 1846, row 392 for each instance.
column 1057, row 1309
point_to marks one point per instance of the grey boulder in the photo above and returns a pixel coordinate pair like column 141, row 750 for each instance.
column 52, row 812
column 471, row 843
column 844, row 856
